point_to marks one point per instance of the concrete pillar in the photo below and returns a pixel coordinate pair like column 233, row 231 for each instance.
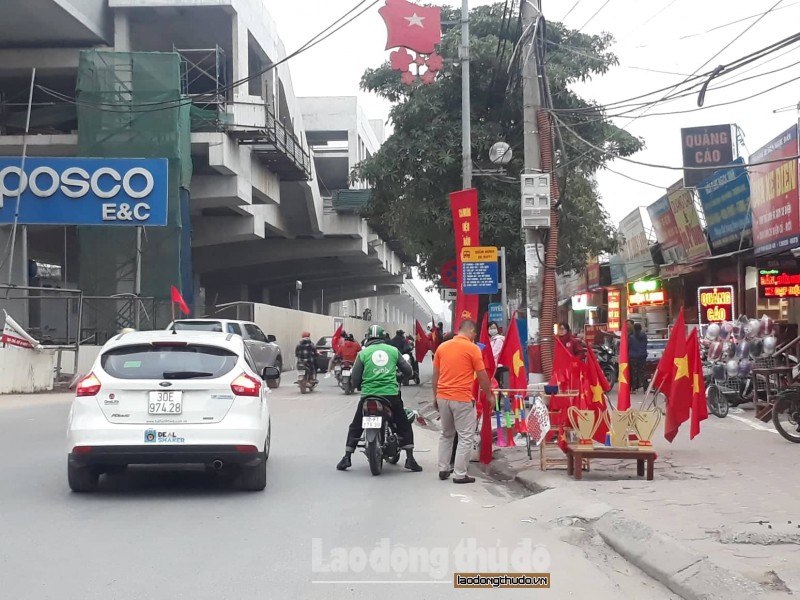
column 240, row 50
column 122, row 31
column 18, row 308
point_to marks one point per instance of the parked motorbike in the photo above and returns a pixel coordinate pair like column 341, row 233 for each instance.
column 343, row 371
column 306, row 376
column 414, row 376
column 608, row 362
column 380, row 434
column 786, row 414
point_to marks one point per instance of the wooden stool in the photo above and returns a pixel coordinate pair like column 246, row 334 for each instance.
column 577, row 455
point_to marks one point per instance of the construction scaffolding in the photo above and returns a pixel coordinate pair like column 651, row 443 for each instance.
column 130, row 105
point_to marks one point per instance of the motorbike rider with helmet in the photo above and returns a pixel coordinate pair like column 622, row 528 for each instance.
column 375, row 372
column 306, row 351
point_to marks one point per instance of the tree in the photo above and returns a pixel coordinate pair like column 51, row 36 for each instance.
column 420, row 164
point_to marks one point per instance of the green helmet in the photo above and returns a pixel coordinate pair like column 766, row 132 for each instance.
column 376, row 331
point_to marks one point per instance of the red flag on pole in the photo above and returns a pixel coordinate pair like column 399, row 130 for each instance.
column 178, row 299
column 663, row 377
column 566, row 367
column 597, row 370
column 418, row 28
column 336, row 340
column 511, row 357
column 699, row 405
column 679, row 386
column 483, row 403
column 624, row 391
column 595, row 399
column 421, row 342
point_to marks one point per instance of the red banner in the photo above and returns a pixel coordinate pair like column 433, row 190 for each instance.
column 774, row 195
column 614, row 310
column 464, row 205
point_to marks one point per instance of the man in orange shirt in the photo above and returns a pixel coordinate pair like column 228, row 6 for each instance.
column 456, row 364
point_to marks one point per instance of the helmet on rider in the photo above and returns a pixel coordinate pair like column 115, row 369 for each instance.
column 376, row 331
column 305, row 335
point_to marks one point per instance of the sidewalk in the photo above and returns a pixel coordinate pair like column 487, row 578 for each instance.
column 730, row 495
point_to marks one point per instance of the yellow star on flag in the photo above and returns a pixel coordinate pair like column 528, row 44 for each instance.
column 696, row 386
column 597, row 393
column 682, row 365
column 623, row 373
column 517, row 362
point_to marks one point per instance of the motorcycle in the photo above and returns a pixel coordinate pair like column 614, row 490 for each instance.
column 608, row 362
column 380, row 434
column 402, row 379
column 343, row 371
column 786, row 414
column 306, row 376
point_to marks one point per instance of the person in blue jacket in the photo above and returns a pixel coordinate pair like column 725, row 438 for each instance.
column 637, row 354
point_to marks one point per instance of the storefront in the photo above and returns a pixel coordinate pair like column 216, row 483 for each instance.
column 648, row 305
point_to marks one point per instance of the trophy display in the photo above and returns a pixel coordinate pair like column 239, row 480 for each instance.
column 645, row 422
column 621, row 423
column 585, row 422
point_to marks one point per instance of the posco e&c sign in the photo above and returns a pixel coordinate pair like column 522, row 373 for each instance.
column 84, row 191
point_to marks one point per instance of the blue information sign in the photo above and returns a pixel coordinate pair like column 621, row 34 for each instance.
column 496, row 314
column 480, row 278
column 725, row 197
column 84, row 191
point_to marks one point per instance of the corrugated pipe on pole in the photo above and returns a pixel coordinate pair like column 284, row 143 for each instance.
column 547, row 314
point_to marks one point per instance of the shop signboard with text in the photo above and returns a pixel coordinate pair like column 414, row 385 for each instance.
column 635, row 247
column 693, row 238
column 774, row 195
column 593, row 274
column 715, row 304
column 777, row 283
column 614, row 310
column 84, row 191
column 590, row 333
column 666, row 229
column 705, row 149
column 646, row 292
column 725, row 198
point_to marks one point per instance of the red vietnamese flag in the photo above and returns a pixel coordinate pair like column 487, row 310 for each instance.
column 679, row 394
column 594, row 366
column 511, row 357
column 483, row 413
column 594, row 395
column 663, row 376
column 178, row 299
column 418, row 28
column 488, row 355
column 699, row 406
column 566, row 367
column 624, row 391
column 336, row 340
column 421, row 342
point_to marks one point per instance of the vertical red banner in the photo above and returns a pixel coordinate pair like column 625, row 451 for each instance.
column 464, row 205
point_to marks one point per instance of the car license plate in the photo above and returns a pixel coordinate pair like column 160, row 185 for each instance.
column 371, row 422
column 346, row 373
column 165, row 403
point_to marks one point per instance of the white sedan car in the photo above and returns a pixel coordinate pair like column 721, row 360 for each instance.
column 158, row 397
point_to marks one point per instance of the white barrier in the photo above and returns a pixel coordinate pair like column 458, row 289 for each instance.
column 26, row 371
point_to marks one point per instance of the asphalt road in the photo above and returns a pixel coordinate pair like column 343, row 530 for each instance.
column 185, row 534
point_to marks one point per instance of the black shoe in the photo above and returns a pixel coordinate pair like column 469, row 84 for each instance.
column 413, row 465
column 465, row 479
column 444, row 475
column 345, row 463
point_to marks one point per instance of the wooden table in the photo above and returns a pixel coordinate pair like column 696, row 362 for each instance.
column 576, row 454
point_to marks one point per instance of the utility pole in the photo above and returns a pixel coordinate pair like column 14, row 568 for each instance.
column 466, row 125
column 531, row 103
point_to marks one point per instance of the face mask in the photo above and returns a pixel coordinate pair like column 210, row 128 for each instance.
column 493, row 331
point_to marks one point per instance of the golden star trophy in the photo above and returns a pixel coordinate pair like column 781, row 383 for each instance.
column 585, row 422
column 621, row 423
column 645, row 422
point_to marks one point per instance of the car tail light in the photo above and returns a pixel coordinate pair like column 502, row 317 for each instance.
column 88, row 386
column 81, row 449
column 244, row 385
column 247, row 449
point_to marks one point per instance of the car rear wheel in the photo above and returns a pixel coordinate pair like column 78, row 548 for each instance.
column 82, row 478
column 254, row 479
column 274, row 384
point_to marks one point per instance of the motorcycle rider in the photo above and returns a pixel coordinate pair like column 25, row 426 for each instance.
column 306, row 351
column 349, row 349
column 375, row 372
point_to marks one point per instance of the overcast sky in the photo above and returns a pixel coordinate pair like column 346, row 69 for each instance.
column 655, row 34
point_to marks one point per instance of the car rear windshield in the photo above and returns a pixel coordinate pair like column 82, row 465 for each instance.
column 215, row 326
column 144, row 361
column 325, row 341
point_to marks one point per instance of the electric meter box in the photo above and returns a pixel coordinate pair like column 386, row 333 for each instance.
column 535, row 201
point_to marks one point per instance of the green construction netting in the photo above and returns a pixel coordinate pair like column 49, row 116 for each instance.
column 130, row 105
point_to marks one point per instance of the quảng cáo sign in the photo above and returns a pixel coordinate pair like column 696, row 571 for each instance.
column 84, row 191
column 715, row 304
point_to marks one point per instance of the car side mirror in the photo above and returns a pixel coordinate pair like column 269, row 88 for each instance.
column 270, row 373
column 272, row 339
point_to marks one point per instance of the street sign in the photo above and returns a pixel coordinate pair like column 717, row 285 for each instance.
column 84, row 191
column 496, row 314
column 448, row 294
column 449, row 273
column 480, row 272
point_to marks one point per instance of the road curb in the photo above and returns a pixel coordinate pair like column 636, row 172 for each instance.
column 691, row 575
